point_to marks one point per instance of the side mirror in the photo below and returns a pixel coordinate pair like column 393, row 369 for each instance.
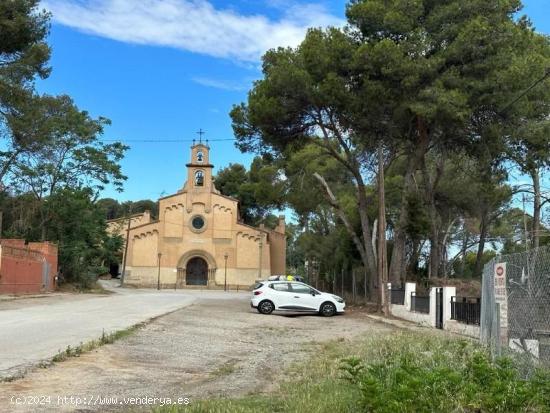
column 313, row 293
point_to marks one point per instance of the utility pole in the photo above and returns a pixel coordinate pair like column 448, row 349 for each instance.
column 126, row 246
column 261, row 246
column 382, row 267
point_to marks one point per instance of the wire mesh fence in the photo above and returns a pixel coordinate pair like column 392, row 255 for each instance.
column 515, row 305
column 353, row 284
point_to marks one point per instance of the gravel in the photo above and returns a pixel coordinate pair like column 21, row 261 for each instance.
column 213, row 348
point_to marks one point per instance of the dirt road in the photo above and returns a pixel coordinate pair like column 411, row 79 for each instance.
column 213, row 348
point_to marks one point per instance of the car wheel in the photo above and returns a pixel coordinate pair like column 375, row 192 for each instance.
column 266, row 307
column 327, row 309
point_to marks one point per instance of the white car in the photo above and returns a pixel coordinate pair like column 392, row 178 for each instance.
column 269, row 296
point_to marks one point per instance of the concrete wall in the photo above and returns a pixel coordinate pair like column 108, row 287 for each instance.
column 420, row 318
column 148, row 277
column 463, row 329
column 429, row 320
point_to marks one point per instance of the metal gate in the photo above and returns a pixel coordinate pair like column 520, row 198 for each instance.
column 46, row 275
column 439, row 308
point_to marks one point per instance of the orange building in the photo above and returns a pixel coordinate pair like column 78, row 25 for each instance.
column 198, row 239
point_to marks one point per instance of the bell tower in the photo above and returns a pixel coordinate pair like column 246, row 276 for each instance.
column 199, row 169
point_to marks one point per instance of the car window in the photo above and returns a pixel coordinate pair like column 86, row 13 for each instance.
column 258, row 285
column 301, row 289
column 280, row 287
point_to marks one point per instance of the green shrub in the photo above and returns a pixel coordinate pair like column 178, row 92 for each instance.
column 419, row 374
column 399, row 373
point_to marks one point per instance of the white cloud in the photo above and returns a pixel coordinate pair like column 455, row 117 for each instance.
column 191, row 25
column 220, row 84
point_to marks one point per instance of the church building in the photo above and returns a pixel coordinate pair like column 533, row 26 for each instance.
column 199, row 240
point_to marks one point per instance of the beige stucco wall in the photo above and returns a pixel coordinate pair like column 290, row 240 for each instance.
column 177, row 241
column 149, row 276
column 120, row 225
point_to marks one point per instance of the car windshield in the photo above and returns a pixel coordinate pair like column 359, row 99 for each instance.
column 258, row 285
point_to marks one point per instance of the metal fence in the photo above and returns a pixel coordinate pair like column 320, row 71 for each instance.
column 466, row 309
column 515, row 305
column 420, row 303
column 397, row 296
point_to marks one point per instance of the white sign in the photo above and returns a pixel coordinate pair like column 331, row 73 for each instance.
column 501, row 296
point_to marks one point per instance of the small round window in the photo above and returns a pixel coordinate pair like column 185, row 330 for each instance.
column 197, row 223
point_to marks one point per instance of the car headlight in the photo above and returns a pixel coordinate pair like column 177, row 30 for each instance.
column 339, row 299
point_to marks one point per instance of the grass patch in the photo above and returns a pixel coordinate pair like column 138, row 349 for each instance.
column 403, row 372
column 225, row 369
column 76, row 351
column 74, row 288
column 93, row 344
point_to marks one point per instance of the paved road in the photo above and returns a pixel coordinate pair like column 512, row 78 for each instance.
column 36, row 332
column 218, row 347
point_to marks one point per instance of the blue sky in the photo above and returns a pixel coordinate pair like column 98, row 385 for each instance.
column 162, row 69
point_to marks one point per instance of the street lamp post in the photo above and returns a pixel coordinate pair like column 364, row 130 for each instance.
column 158, row 278
column 225, row 256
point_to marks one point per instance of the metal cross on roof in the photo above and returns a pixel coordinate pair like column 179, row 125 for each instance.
column 200, row 133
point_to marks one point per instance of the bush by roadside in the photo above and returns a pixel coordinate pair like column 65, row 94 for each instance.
column 404, row 372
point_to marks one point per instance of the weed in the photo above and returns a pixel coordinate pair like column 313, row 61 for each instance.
column 403, row 372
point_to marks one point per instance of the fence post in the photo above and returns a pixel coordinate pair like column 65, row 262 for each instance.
column 448, row 292
column 409, row 288
column 496, row 337
column 433, row 292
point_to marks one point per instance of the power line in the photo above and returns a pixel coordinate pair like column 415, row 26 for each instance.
column 522, row 94
column 162, row 140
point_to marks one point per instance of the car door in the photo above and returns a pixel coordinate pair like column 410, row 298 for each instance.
column 281, row 295
column 303, row 298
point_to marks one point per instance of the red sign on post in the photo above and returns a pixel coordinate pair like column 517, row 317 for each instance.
column 501, row 296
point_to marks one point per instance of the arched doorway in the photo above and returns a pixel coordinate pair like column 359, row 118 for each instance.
column 196, row 272
column 114, row 269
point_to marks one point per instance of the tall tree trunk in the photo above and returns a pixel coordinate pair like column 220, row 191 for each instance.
column 415, row 256
column 365, row 227
column 364, row 247
column 382, row 265
column 464, row 249
column 536, row 207
column 415, row 158
column 430, row 186
column 443, row 255
column 481, row 246
column 397, row 264
column 435, row 259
